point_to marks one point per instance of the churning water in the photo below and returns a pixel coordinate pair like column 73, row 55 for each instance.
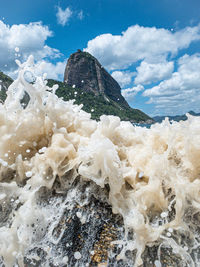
column 153, row 175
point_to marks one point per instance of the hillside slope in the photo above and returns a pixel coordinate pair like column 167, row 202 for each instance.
column 97, row 105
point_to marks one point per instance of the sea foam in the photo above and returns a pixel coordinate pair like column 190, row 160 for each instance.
column 153, row 174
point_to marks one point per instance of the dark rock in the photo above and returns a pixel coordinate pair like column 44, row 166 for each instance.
column 87, row 226
column 85, row 72
column 93, row 237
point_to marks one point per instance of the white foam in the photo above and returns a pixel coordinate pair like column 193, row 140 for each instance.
column 62, row 137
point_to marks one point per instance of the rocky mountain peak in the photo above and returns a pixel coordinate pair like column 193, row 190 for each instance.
column 84, row 71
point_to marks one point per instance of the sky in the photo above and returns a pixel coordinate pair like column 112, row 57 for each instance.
column 152, row 48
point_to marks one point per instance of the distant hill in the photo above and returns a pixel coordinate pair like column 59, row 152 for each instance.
column 176, row 117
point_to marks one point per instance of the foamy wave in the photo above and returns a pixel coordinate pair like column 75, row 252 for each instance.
column 153, row 174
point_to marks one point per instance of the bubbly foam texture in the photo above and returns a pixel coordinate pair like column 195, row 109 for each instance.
column 153, row 174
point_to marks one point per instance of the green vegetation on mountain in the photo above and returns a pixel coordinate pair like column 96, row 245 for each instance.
column 97, row 105
column 88, row 83
column 5, row 82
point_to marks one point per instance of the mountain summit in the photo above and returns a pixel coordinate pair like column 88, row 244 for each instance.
column 84, row 71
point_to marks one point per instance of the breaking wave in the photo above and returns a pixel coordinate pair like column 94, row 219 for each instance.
column 153, row 175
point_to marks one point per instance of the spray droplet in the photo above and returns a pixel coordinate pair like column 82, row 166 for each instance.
column 140, row 175
column 170, row 230
column 43, row 149
column 65, row 259
column 34, row 143
column 29, row 174
column 77, row 255
column 29, row 77
column 157, row 263
column 78, row 214
column 164, row 214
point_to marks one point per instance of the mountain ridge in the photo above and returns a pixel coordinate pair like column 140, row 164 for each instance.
column 176, row 117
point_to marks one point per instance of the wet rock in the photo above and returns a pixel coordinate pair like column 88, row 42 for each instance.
column 88, row 227
column 82, row 231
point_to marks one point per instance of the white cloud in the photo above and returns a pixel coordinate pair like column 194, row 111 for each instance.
column 123, row 77
column 24, row 40
column 129, row 93
column 80, row 15
column 181, row 92
column 63, row 16
column 140, row 43
column 29, row 38
column 152, row 72
column 53, row 71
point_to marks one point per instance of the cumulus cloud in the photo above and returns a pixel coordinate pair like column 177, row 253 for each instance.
column 20, row 41
column 53, row 71
column 29, row 39
column 63, row 16
column 181, row 92
column 148, row 73
column 123, row 77
column 140, row 43
column 129, row 93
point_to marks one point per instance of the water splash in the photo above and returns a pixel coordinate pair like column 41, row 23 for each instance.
column 153, row 174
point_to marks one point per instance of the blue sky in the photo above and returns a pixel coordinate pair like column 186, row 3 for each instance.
column 150, row 47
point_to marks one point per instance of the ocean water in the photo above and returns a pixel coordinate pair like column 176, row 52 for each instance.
column 147, row 125
column 153, row 174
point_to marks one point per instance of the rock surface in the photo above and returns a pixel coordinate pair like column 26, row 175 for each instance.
column 85, row 72
column 83, row 235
